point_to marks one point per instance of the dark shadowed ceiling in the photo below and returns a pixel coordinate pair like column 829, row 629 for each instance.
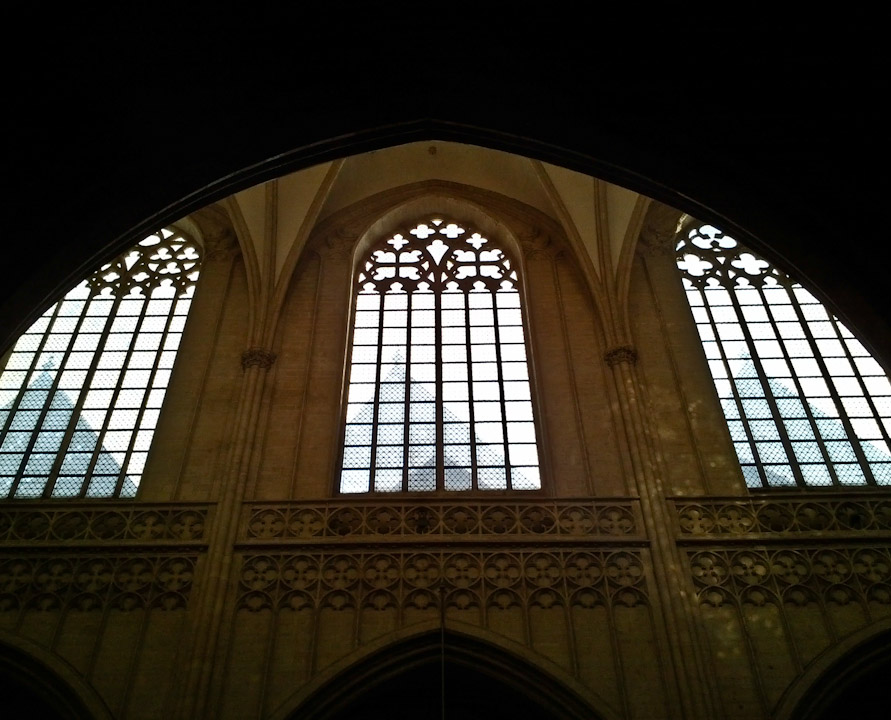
column 772, row 128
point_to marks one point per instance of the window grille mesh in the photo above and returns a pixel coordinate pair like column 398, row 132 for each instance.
column 439, row 395
column 806, row 404
column 83, row 386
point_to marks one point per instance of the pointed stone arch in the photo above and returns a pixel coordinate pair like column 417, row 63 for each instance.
column 847, row 680
column 45, row 684
column 484, row 677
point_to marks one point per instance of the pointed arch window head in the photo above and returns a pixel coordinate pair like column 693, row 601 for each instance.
column 805, row 403
column 439, row 393
column 82, row 389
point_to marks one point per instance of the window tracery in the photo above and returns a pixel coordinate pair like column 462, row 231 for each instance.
column 83, row 387
column 439, row 395
column 805, row 403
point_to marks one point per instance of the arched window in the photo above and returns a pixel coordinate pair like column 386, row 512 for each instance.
column 805, row 402
column 439, row 395
column 82, row 388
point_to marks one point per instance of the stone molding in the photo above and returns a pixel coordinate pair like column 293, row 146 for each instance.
column 97, row 524
column 565, row 519
column 463, row 580
column 95, row 582
column 793, row 576
column 701, row 518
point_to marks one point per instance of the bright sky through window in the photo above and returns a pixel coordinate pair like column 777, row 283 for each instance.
column 805, row 403
column 83, row 387
column 439, row 394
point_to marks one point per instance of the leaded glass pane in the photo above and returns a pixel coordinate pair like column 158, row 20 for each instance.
column 814, row 395
column 438, row 361
column 90, row 415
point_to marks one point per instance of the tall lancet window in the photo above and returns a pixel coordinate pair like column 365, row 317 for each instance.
column 439, row 394
column 805, row 402
column 82, row 388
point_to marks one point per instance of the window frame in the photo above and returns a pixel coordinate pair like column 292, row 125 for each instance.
column 162, row 268
column 729, row 267
column 440, row 491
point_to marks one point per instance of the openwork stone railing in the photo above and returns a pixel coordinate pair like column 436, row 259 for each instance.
column 93, row 582
column 472, row 580
column 723, row 517
column 127, row 524
column 799, row 576
column 472, row 520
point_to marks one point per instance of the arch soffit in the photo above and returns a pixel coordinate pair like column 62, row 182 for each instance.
column 406, row 646
column 54, row 673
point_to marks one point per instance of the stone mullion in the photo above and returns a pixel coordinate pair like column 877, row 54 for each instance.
column 686, row 648
column 780, row 419
column 474, row 467
column 372, row 462
column 764, row 381
column 115, row 395
column 406, row 397
column 833, row 393
column 82, row 397
column 734, row 391
column 50, row 393
column 140, row 413
column 883, row 428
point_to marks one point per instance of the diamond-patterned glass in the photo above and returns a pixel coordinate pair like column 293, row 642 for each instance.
column 88, row 412
column 814, row 394
column 439, row 359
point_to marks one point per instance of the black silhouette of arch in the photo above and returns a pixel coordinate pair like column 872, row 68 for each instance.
column 855, row 685
column 480, row 680
column 34, row 689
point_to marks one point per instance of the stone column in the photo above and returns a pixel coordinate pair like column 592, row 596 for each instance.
column 686, row 648
column 206, row 648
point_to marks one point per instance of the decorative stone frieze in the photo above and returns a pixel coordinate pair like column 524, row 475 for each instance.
column 620, row 354
column 708, row 518
column 323, row 521
column 257, row 357
column 67, row 525
column 797, row 576
column 95, row 582
column 467, row 579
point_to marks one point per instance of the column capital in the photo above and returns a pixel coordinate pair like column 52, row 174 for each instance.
column 620, row 354
column 257, row 357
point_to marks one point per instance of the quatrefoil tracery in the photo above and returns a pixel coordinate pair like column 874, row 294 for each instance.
column 439, row 256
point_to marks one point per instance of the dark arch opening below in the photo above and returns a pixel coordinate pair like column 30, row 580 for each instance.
column 31, row 689
column 406, row 681
column 855, row 686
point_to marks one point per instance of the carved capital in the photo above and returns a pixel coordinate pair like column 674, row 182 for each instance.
column 217, row 233
column 257, row 357
column 659, row 230
column 337, row 246
column 534, row 243
column 620, row 354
